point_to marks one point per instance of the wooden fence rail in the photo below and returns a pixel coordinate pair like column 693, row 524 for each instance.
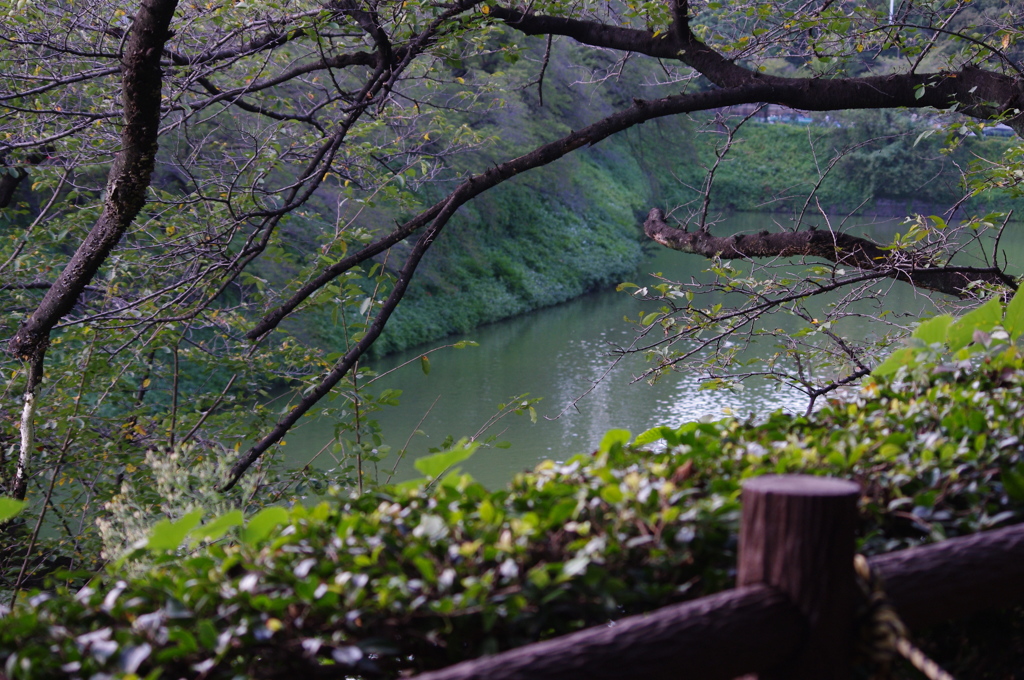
column 792, row 615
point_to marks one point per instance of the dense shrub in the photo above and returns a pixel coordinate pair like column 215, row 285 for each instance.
column 425, row 574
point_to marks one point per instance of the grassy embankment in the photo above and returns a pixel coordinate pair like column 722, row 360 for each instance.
column 573, row 227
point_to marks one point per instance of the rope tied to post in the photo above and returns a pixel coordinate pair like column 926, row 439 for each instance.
column 882, row 633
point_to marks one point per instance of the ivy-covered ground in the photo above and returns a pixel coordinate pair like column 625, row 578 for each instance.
column 429, row 573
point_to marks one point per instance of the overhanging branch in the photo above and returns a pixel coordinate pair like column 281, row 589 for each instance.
column 977, row 92
column 842, row 249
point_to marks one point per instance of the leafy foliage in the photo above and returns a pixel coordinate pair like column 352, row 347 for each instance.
column 422, row 576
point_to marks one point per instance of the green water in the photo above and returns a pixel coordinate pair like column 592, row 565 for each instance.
column 558, row 354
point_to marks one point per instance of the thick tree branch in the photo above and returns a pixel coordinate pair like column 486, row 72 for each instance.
column 128, row 179
column 353, row 355
column 843, row 249
column 640, row 112
column 979, row 93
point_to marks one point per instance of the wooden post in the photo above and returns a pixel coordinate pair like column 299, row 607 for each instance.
column 797, row 535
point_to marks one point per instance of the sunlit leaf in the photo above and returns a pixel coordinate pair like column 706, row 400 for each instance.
column 262, row 523
column 1013, row 322
column 961, row 333
column 9, row 507
column 435, row 465
column 933, row 330
column 216, row 528
column 168, row 535
column 896, row 360
column 613, row 439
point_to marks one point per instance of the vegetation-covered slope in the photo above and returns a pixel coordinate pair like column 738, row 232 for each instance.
column 504, row 256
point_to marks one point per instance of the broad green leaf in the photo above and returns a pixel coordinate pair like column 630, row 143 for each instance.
column 611, row 493
column 434, row 466
column 961, row 333
column 652, row 435
column 219, row 526
column 263, row 522
column 933, row 330
column 168, row 535
column 650, row 318
column 425, row 364
column 613, row 438
column 562, row 511
column 1013, row 322
column 900, row 357
column 9, row 507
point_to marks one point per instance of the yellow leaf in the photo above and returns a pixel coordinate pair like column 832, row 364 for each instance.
column 274, row 625
column 170, row 231
column 1006, row 41
column 426, row 136
column 485, row 9
column 145, row 383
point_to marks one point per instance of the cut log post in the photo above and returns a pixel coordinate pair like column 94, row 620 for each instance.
column 797, row 535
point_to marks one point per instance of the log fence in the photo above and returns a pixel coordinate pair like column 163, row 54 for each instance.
column 792, row 614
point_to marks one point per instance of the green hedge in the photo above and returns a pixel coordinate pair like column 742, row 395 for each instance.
column 419, row 576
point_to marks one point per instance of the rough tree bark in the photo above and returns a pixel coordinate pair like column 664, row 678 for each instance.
column 978, row 92
column 128, row 179
column 843, row 249
column 127, row 183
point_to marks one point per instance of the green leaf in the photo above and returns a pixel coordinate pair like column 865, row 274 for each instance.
column 897, row 359
column 1013, row 484
column 207, row 633
column 168, row 535
column 434, row 466
column 961, row 333
column 9, row 507
column 612, row 494
column 262, row 523
column 613, row 439
column 425, row 364
column 1013, row 322
column 650, row 318
column 624, row 285
column 219, row 526
column 933, row 330
column 652, row 435
column 562, row 511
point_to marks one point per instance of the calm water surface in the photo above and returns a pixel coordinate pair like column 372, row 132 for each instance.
column 559, row 354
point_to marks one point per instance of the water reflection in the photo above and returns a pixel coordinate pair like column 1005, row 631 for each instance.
column 559, row 354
